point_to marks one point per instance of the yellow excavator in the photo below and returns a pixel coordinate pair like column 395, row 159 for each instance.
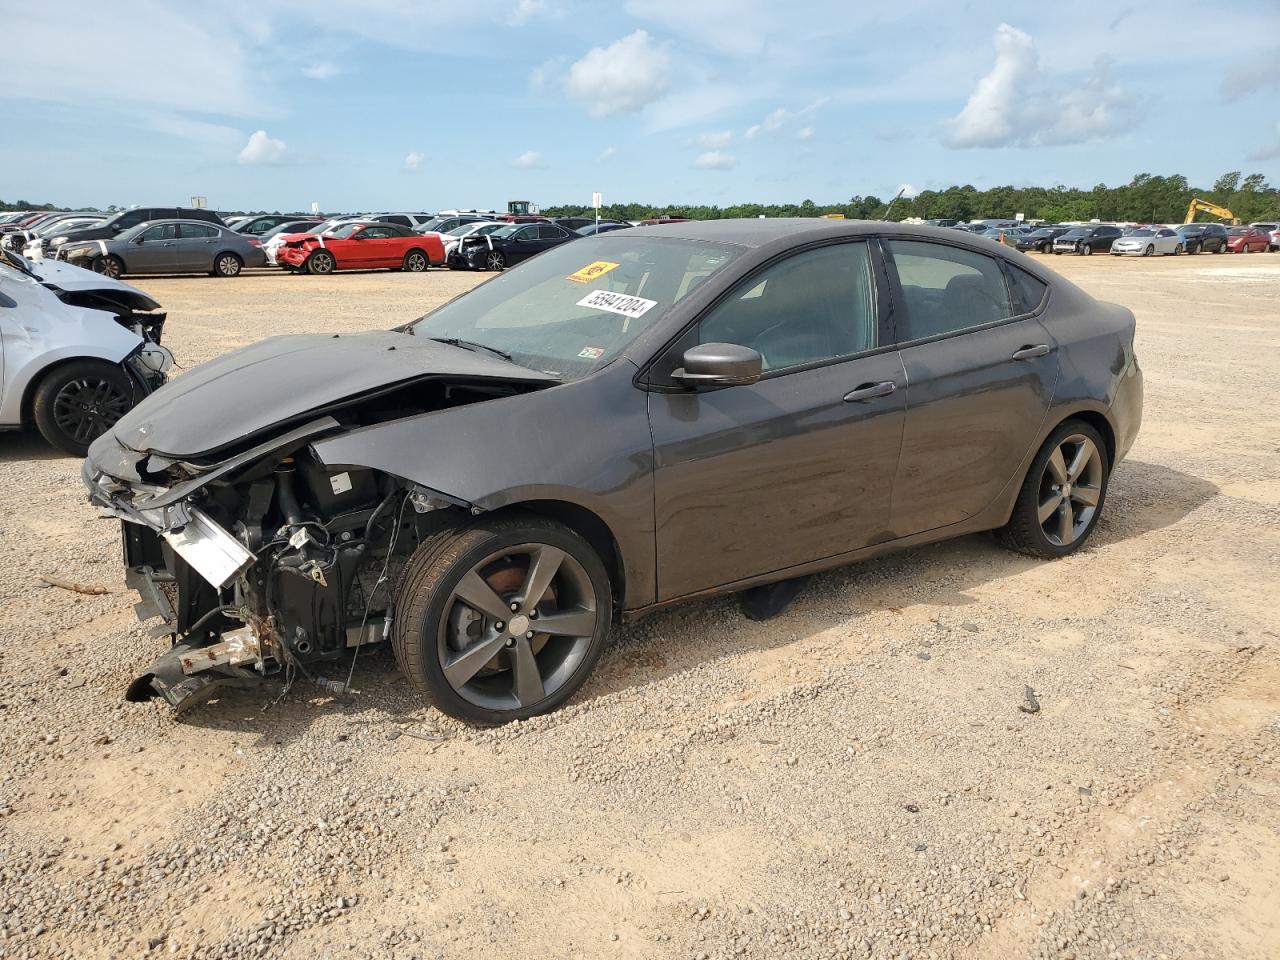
column 1222, row 213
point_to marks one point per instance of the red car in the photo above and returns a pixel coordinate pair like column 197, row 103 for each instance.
column 361, row 246
column 1247, row 239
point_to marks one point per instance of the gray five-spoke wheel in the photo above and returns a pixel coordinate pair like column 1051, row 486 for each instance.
column 516, row 626
column 1070, row 490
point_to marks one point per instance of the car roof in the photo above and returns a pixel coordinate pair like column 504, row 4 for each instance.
column 759, row 232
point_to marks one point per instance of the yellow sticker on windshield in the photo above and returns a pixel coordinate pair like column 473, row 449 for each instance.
column 592, row 271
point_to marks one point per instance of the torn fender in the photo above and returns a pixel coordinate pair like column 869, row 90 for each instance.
column 536, row 446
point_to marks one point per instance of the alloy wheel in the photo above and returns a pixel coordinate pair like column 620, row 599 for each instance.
column 415, row 263
column 516, row 626
column 87, row 407
column 494, row 261
column 1070, row 489
column 228, row 266
column 107, row 266
column 321, row 263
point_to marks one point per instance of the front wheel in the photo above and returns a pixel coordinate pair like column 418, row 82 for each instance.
column 1149, row 251
column 78, row 402
column 502, row 619
column 108, row 265
column 1086, row 249
column 320, row 262
column 1062, row 495
column 1045, row 247
column 1177, row 250
column 494, row 260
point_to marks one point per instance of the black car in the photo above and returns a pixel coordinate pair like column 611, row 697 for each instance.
column 1040, row 239
column 507, row 246
column 260, row 226
column 1087, row 240
column 1203, row 237
column 625, row 422
column 127, row 219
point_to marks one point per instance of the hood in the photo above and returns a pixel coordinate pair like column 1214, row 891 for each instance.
column 59, row 275
column 86, row 233
column 281, row 380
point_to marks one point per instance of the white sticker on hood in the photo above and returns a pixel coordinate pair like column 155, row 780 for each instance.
column 619, row 303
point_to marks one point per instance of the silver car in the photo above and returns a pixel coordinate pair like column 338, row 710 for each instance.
column 77, row 350
column 167, row 246
column 1145, row 241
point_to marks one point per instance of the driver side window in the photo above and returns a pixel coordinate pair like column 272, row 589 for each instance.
column 816, row 305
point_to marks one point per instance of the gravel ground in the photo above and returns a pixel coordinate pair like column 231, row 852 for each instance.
column 853, row 779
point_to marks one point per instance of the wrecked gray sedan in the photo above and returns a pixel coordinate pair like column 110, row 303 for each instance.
column 623, row 422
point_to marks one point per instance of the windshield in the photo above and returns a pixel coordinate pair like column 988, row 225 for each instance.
column 571, row 310
column 1237, row 231
column 344, row 231
column 1191, row 228
column 69, row 223
column 1076, row 232
column 433, row 224
column 1141, row 233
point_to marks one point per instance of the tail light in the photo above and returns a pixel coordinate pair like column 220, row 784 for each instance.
column 254, row 241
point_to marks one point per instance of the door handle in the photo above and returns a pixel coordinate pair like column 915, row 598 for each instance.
column 1030, row 353
column 869, row 391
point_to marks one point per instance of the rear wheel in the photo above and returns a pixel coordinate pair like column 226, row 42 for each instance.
column 1062, row 495
column 108, row 265
column 320, row 262
column 78, row 402
column 227, row 265
column 502, row 619
column 415, row 261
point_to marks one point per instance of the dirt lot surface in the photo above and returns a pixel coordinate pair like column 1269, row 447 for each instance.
column 853, row 779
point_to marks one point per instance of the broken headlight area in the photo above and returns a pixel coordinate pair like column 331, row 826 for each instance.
column 284, row 567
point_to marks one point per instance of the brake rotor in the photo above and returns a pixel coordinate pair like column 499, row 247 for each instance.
column 468, row 625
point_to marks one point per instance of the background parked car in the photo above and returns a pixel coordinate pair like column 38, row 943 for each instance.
column 1247, row 240
column 259, row 226
column 39, row 238
column 1086, row 240
column 506, row 247
column 361, row 245
column 278, row 238
column 1145, row 241
column 577, row 223
column 1203, row 237
column 127, row 219
column 1040, row 239
column 167, row 246
column 480, row 228
column 79, row 350
column 411, row 221
column 1272, row 230
column 444, row 224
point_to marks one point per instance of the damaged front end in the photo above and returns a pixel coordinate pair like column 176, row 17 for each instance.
column 255, row 558
column 263, row 564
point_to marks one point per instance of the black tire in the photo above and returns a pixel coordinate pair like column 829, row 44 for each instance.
column 428, row 628
column 1046, row 247
column 1026, row 530
column 227, row 264
column 495, row 260
column 415, row 261
column 1086, row 249
column 1151, row 248
column 1177, row 249
column 77, row 402
column 320, row 262
column 109, row 265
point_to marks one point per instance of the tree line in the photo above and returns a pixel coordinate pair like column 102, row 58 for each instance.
column 1147, row 198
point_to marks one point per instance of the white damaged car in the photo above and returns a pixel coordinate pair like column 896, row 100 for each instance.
column 77, row 350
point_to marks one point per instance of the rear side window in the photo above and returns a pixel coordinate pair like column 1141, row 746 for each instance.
column 193, row 231
column 1027, row 291
column 946, row 289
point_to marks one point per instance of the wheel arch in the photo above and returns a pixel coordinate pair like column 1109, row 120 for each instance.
column 27, row 406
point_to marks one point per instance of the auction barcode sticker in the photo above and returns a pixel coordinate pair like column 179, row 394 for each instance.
column 620, row 303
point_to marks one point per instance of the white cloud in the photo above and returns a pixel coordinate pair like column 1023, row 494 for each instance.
column 1257, row 74
column 715, row 139
column 769, row 124
column 262, row 150
column 622, row 77
column 324, row 70
column 529, row 160
column 608, row 153
column 715, row 160
column 1016, row 105
column 804, row 133
column 413, row 162
column 526, row 10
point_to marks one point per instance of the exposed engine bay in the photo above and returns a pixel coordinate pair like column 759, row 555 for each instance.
column 259, row 560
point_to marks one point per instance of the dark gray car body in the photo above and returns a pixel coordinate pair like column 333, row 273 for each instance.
column 685, row 493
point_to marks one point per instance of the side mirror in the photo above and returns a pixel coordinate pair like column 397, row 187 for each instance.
column 138, row 239
column 719, row 365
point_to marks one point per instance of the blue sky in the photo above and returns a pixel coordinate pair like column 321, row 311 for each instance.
column 392, row 104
